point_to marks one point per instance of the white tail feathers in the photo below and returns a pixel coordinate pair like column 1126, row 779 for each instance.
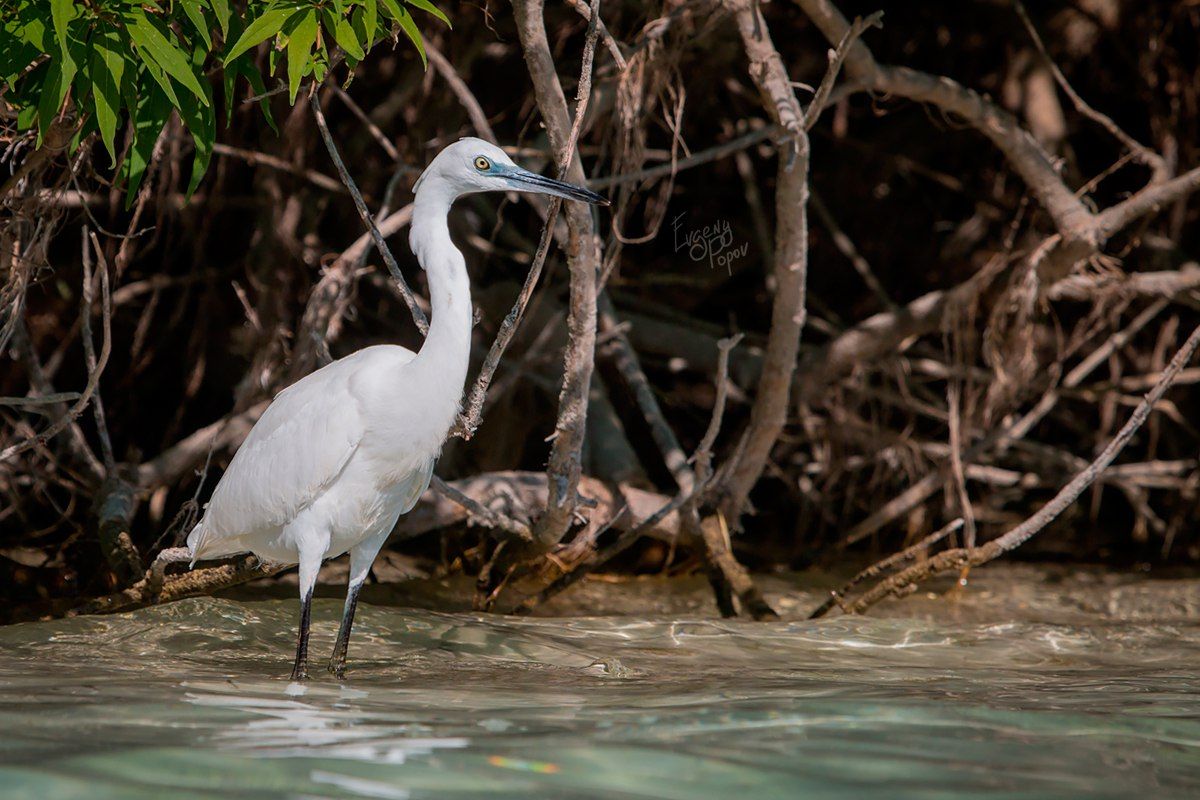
column 195, row 542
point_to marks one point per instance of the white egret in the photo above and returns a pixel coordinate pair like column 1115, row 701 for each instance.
column 339, row 455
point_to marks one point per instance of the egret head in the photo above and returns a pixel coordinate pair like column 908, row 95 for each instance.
column 473, row 165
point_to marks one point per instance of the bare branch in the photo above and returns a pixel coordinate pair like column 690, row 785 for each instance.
column 1140, row 151
column 472, row 413
column 257, row 159
column 1003, row 438
column 837, row 57
column 479, row 514
column 1150, row 199
column 564, row 463
column 702, row 458
column 907, row 554
column 93, row 379
column 371, row 127
column 463, row 92
column 380, row 243
column 1027, row 157
column 957, row 558
column 788, row 312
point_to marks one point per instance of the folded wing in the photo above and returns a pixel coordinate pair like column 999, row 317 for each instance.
column 295, row 451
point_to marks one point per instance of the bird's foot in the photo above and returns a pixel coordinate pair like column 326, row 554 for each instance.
column 337, row 668
column 300, row 672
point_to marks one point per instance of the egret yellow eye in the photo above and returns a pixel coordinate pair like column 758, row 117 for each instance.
column 482, row 164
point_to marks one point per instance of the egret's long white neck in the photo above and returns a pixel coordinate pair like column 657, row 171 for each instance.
column 442, row 362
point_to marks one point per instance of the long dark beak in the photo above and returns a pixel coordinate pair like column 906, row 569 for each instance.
column 526, row 181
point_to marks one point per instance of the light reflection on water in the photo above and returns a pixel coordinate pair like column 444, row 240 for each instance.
column 189, row 699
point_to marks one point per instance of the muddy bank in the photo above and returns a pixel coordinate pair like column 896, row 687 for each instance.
column 997, row 593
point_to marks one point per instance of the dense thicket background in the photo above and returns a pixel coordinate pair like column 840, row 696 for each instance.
column 209, row 301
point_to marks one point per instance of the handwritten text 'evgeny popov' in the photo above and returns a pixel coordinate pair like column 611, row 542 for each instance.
column 711, row 243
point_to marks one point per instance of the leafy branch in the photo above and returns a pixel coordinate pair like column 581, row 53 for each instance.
column 104, row 64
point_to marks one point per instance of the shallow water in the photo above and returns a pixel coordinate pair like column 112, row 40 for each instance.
column 189, row 700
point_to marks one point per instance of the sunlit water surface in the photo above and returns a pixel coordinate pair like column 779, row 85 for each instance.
column 189, row 700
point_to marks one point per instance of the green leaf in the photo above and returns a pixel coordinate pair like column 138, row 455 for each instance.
column 299, row 48
column 108, row 70
column 371, row 19
column 228, row 82
column 196, row 14
column 221, row 9
column 164, row 82
column 153, row 46
column 430, row 8
column 254, row 78
column 410, row 30
column 82, row 132
column 343, row 34
column 362, row 33
column 30, row 24
column 202, row 124
column 261, row 29
column 54, row 92
column 78, row 137
column 27, row 117
column 22, row 41
column 148, row 116
column 62, row 12
column 392, row 9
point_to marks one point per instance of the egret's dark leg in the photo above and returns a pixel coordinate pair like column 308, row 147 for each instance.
column 362, row 556
column 337, row 664
column 300, row 669
column 310, row 564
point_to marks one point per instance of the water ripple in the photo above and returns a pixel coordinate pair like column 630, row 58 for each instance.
column 192, row 699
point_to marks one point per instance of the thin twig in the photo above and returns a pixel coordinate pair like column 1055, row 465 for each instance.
column 624, row 358
column 702, row 458
column 836, row 595
column 614, row 48
column 335, row 58
column 837, row 57
column 845, row 246
column 463, row 92
column 257, row 159
column 954, row 404
column 479, row 514
column 89, row 346
column 472, row 413
column 1140, row 151
column 623, row 543
column 715, row 153
column 40, row 385
column 93, row 379
column 371, row 127
column 380, row 243
column 564, row 467
column 32, row 403
column 960, row 557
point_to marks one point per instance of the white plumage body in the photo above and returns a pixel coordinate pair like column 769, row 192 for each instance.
column 316, row 474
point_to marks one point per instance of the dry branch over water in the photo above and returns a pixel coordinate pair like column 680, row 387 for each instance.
column 993, row 307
